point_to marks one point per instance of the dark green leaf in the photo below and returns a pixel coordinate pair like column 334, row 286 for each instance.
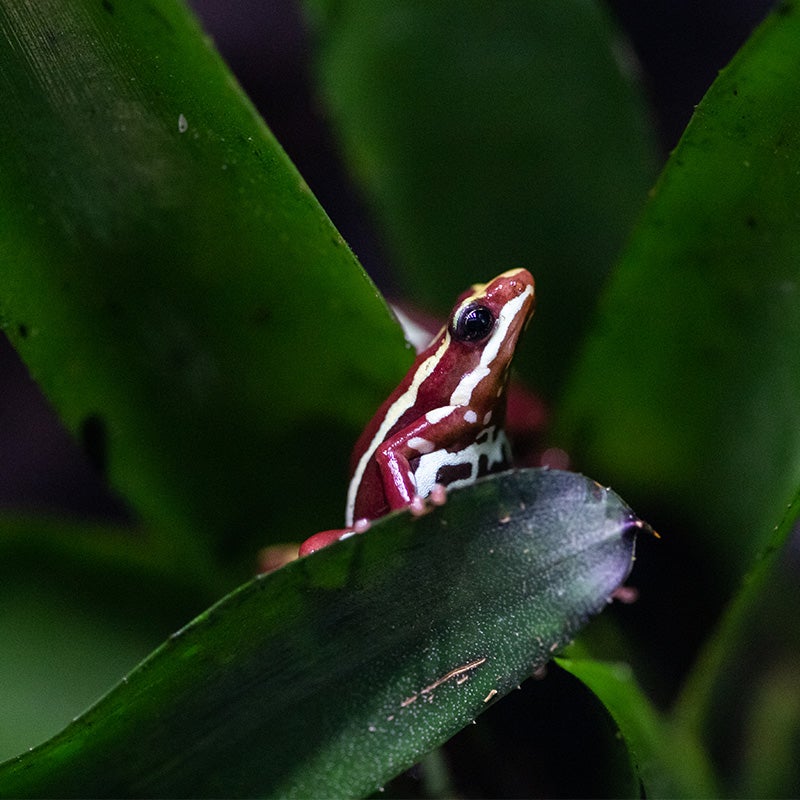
column 335, row 673
column 172, row 283
column 63, row 646
column 490, row 136
column 668, row 761
column 81, row 604
column 687, row 392
column 748, row 670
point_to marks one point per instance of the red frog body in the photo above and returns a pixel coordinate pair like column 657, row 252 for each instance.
column 443, row 425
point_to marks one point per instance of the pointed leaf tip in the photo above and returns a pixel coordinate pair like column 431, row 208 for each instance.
column 340, row 670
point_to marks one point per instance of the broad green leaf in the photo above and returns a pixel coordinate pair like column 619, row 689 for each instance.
column 172, row 283
column 686, row 394
column 489, row 136
column 81, row 605
column 335, row 673
column 669, row 763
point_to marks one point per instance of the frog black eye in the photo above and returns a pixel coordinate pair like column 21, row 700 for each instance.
column 475, row 322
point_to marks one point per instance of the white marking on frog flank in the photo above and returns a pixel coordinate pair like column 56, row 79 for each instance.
column 487, row 418
column 470, row 416
column 395, row 411
column 437, row 414
column 494, row 447
column 420, row 445
column 462, row 394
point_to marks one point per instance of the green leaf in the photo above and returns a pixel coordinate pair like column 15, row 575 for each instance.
column 669, row 763
column 340, row 670
column 732, row 679
column 686, row 394
column 490, row 136
column 82, row 604
column 171, row 282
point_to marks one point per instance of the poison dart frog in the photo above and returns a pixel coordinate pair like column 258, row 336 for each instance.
column 443, row 425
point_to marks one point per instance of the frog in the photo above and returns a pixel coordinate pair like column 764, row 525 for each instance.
column 443, row 426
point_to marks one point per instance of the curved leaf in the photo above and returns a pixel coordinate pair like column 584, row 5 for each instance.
column 489, row 136
column 669, row 762
column 687, row 392
column 81, row 606
column 165, row 270
column 723, row 688
column 338, row 671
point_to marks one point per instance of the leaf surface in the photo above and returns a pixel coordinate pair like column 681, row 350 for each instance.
column 491, row 136
column 335, row 673
column 172, row 283
column 686, row 394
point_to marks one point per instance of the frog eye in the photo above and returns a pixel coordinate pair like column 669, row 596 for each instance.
column 473, row 323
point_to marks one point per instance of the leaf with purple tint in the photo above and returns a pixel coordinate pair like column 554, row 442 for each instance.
column 337, row 672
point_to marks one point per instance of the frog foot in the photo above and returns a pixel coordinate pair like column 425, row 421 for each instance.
column 419, row 505
column 274, row 557
column 625, row 594
column 438, row 495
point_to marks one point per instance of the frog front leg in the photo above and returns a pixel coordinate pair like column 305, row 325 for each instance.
column 433, row 432
column 426, row 444
column 325, row 538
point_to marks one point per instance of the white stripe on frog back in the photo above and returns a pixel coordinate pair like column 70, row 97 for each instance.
column 395, row 411
column 462, row 394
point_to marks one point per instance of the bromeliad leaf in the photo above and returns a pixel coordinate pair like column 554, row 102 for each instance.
column 337, row 672
column 453, row 117
column 702, row 398
column 168, row 277
column 668, row 760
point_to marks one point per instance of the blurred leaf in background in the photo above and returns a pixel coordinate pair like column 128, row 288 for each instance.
column 686, row 391
column 166, row 273
column 490, row 136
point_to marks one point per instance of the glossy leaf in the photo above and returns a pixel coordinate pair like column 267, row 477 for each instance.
column 165, row 271
column 490, row 136
column 315, row 680
column 669, row 763
column 686, row 394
